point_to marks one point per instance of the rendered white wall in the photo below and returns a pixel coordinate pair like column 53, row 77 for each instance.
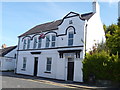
column 95, row 31
column 8, row 63
column 59, row 65
column 79, row 28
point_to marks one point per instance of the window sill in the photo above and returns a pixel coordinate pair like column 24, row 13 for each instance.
column 47, row 72
column 23, row 69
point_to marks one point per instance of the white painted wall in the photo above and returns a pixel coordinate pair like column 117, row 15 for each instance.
column 59, row 65
column 79, row 28
column 95, row 31
column 8, row 61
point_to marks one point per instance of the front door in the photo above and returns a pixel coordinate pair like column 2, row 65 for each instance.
column 70, row 71
column 35, row 65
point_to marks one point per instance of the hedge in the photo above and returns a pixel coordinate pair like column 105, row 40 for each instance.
column 102, row 66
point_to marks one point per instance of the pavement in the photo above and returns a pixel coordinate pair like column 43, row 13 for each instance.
column 66, row 84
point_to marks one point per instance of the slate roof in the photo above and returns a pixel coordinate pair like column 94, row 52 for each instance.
column 54, row 24
column 87, row 16
column 6, row 50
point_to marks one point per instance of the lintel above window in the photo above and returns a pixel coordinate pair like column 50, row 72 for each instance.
column 77, row 52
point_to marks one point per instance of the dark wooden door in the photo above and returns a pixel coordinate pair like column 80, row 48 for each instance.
column 35, row 65
column 70, row 71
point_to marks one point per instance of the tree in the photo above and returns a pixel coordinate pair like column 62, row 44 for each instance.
column 111, row 29
column 104, row 27
column 113, row 42
column 118, row 22
column 102, row 65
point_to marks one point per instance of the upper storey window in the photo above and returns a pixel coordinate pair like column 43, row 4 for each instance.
column 39, row 42
column 28, row 44
column 47, row 41
column 24, row 44
column 70, row 38
column 70, row 22
column 35, row 43
column 53, row 41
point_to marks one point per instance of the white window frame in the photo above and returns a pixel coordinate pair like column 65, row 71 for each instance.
column 35, row 43
column 39, row 43
column 49, row 64
column 24, row 63
column 24, row 44
column 53, row 41
column 70, row 38
column 28, row 43
column 47, row 41
column 0, row 63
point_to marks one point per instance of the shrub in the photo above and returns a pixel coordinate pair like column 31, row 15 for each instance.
column 102, row 65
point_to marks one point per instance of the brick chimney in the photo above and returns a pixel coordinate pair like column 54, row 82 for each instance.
column 4, row 46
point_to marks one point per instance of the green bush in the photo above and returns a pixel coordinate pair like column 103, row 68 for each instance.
column 102, row 65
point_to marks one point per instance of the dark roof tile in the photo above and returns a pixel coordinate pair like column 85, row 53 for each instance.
column 87, row 16
column 6, row 50
column 53, row 25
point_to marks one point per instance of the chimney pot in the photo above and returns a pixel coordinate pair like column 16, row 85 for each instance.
column 4, row 46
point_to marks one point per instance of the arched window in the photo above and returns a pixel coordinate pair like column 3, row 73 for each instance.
column 47, row 41
column 24, row 44
column 35, row 42
column 53, row 41
column 39, row 42
column 70, row 38
column 28, row 43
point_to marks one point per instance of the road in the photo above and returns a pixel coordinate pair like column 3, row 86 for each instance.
column 13, row 82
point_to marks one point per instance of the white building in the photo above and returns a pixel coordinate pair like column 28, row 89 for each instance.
column 59, row 55
column 8, row 58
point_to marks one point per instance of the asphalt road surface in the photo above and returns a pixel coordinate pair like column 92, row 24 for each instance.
column 12, row 82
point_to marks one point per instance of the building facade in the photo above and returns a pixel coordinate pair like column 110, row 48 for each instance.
column 56, row 49
column 8, row 58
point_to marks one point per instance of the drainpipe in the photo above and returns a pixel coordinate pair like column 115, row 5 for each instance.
column 85, row 36
column 17, row 55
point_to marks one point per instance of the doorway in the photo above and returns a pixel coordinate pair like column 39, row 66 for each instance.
column 70, row 70
column 35, row 65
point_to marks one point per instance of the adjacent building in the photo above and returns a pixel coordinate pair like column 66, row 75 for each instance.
column 8, row 58
column 56, row 49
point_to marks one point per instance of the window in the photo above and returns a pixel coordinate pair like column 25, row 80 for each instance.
column 24, row 62
column 70, row 38
column 0, row 64
column 49, row 62
column 35, row 43
column 15, row 56
column 47, row 41
column 24, row 44
column 39, row 43
column 70, row 22
column 28, row 44
column 53, row 41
